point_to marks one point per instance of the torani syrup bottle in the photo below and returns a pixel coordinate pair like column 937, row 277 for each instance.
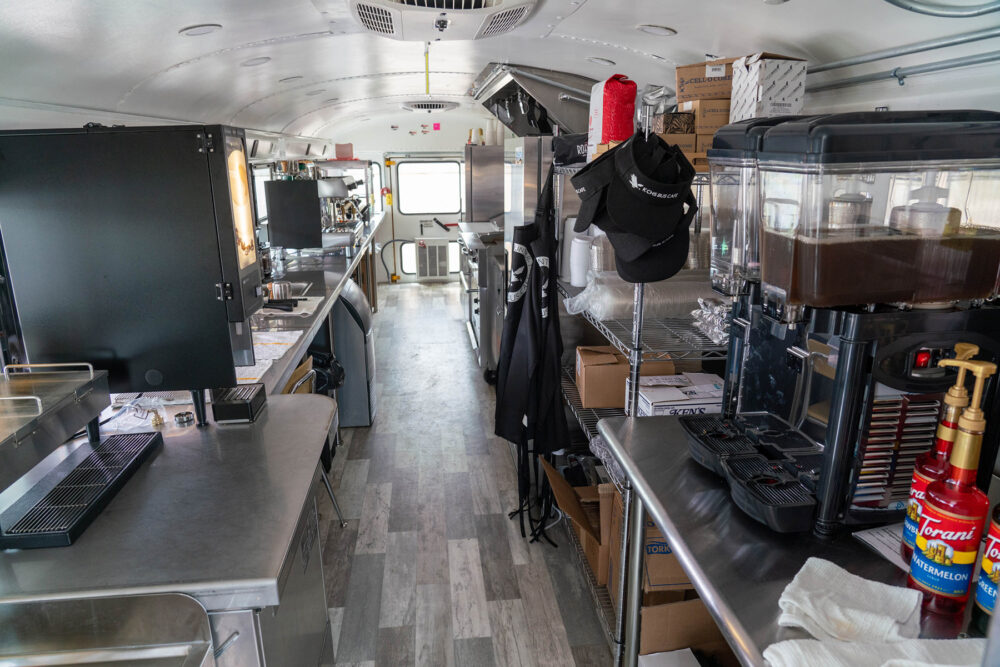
column 933, row 465
column 947, row 541
column 989, row 576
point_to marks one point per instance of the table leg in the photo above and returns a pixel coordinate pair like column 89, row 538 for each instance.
column 622, row 574
column 633, row 598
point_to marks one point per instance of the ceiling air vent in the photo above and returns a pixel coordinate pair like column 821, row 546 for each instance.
column 458, row 5
column 430, row 106
column 376, row 19
column 441, row 20
column 503, row 21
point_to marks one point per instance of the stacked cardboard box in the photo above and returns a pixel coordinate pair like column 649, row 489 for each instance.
column 672, row 616
column 704, row 89
column 601, row 372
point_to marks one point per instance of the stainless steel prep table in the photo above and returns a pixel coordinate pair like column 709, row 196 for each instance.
column 225, row 514
column 738, row 566
column 336, row 270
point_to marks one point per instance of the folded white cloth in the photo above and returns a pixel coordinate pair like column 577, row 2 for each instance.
column 908, row 653
column 832, row 603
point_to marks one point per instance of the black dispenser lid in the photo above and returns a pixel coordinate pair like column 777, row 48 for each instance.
column 742, row 140
column 884, row 136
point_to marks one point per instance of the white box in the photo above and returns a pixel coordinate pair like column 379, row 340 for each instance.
column 767, row 84
column 685, row 394
column 595, row 129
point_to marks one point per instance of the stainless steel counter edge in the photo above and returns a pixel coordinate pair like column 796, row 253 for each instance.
column 737, row 636
column 278, row 374
column 28, row 576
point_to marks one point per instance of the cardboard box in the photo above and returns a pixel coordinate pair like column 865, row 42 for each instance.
column 601, row 372
column 767, row 84
column 604, row 148
column 686, row 142
column 673, row 123
column 686, row 624
column 710, row 80
column 682, row 658
column 589, row 507
column 663, row 578
column 671, row 617
column 709, row 115
column 684, row 394
column 344, row 151
column 703, row 142
column 699, row 161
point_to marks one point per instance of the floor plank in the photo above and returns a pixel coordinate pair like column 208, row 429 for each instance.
column 498, row 563
column 404, row 512
column 336, row 615
column 434, row 644
column 399, row 586
column 595, row 655
column 510, row 634
column 458, row 506
column 338, row 552
column 432, row 540
column 549, row 644
column 469, row 614
column 571, row 592
column 396, row 647
column 351, row 490
column 474, row 652
column 373, row 527
column 359, row 629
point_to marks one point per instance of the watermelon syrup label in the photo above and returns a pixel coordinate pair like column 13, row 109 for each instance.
column 945, row 552
column 989, row 575
column 914, row 508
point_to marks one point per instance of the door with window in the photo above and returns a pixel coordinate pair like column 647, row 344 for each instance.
column 424, row 190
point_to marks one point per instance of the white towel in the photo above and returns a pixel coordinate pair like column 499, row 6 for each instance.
column 798, row 652
column 832, row 603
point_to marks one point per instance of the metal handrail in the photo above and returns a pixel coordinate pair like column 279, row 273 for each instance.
column 900, row 73
column 907, row 49
column 310, row 375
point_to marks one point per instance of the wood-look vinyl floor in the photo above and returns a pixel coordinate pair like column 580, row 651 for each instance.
column 429, row 570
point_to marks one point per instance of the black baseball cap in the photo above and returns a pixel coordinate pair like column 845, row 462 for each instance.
column 648, row 208
column 590, row 184
column 645, row 197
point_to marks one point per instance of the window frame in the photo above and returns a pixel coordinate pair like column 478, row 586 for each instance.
column 399, row 187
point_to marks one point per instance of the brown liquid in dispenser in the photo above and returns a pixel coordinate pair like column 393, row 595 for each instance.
column 880, row 269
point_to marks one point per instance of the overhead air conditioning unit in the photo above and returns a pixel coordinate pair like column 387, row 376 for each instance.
column 440, row 20
column 429, row 106
column 432, row 259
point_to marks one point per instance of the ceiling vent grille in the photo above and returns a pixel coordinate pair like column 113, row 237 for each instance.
column 429, row 105
column 376, row 19
column 453, row 5
column 504, row 21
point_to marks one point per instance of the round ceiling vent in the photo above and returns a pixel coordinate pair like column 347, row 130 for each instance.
column 429, row 106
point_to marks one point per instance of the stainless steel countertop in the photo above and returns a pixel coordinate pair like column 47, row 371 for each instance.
column 211, row 515
column 328, row 275
column 738, row 566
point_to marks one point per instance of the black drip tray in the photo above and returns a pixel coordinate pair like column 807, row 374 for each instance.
column 65, row 511
column 710, row 439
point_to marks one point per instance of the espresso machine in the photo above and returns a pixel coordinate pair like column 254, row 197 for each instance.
column 878, row 255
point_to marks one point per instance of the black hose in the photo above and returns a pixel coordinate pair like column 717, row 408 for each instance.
column 381, row 253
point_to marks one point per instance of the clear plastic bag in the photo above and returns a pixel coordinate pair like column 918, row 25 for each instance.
column 712, row 319
column 609, row 297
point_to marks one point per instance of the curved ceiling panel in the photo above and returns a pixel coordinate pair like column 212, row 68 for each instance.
column 121, row 57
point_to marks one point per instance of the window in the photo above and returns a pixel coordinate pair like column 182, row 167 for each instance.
column 408, row 257
column 429, row 187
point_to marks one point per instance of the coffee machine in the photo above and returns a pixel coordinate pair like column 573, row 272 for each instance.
column 878, row 254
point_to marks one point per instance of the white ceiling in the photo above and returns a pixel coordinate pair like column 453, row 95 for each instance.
column 63, row 62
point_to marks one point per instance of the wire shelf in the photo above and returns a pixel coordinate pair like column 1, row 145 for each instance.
column 673, row 337
column 587, row 417
column 566, row 290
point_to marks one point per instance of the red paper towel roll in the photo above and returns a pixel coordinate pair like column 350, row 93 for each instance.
column 619, row 109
